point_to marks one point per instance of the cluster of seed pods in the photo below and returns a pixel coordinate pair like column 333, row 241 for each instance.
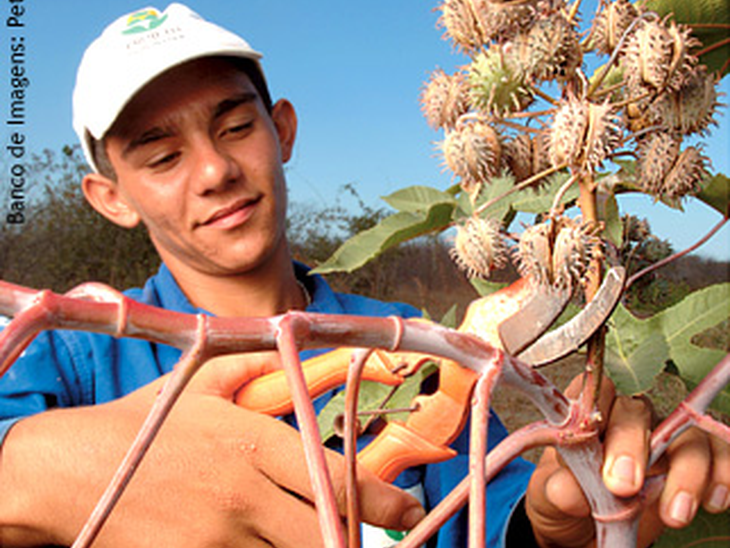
column 497, row 119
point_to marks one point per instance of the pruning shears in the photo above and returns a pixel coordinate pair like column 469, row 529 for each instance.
column 515, row 319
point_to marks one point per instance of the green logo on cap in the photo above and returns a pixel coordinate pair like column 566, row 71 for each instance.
column 395, row 535
column 143, row 21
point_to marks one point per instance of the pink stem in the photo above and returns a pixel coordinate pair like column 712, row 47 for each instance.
column 692, row 410
column 118, row 316
column 324, row 494
column 714, row 427
column 582, row 452
column 352, row 391
column 178, row 380
column 675, row 256
column 533, row 435
column 478, row 453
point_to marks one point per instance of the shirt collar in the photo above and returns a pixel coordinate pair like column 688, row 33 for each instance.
column 163, row 290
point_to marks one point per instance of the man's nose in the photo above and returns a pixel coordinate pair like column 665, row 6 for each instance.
column 215, row 168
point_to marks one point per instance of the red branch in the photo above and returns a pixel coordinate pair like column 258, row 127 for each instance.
column 569, row 426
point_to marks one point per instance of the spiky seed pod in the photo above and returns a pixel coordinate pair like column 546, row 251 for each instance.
column 444, row 99
column 657, row 56
column 686, row 175
column 479, row 247
column 534, row 253
column 691, row 108
column 557, row 252
column 568, row 131
column 656, row 154
column 610, row 24
column 473, row 152
column 637, row 230
column 502, row 20
column 603, row 135
column 497, row 85
column 647, row 56
column 583, row 133
column 550, row 50
column 682, row 61
column 518, row 155
column 527, row 155
column 576, row 245
column 462, row 26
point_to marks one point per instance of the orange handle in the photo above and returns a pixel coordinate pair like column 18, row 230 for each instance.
column 425, row 437
column 440, row 417
column 396, row 448
column 270, row 394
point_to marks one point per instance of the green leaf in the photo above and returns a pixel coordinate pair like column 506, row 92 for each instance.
column 707, row 18
column 706, row 531
column 417, row 198
column 530, row 201
column 637, row 349
column 370, row 398
column 485, row 287
column 449, row 319
column 496, row 188
column 716, row 193
column 405, row 393
column 698, row 311
column 608, row 212
column 634, row 355
column 391, row 231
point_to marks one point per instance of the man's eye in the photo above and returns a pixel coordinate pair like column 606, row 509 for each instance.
column 238, row 128
column 164, row 160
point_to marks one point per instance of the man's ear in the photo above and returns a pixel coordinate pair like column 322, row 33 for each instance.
column 285, row 120
column 104, row 196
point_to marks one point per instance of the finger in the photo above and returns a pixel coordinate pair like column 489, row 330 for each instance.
column 385, row 505
column 556, row 505
column 608, row 390
column 277, row 451
column 275, row 518
column 689, row 474
column 297, row 527
column 225, row 375
column 717, row 498
column 627, row 446
column 650, row 525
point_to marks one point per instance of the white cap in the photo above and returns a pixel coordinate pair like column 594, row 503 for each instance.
column 133, row 51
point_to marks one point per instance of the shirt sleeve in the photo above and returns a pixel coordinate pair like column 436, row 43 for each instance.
column 42, row 377
column 518, row 533
column 504, row 492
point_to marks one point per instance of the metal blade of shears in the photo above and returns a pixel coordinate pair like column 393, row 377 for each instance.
column 572, row 335
column 534, row 318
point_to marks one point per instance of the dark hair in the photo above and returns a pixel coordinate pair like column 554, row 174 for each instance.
column 250, row 68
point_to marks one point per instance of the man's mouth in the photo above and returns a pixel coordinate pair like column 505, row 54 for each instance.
column 233, row 215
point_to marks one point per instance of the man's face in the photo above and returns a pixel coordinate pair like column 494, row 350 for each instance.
column 200, row 162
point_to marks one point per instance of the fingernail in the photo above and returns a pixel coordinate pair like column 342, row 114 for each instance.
column 412, row 516
column 623, row 471
column 683, row 507
column 719, row 499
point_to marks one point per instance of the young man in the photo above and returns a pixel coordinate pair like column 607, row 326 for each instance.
column 175, row 119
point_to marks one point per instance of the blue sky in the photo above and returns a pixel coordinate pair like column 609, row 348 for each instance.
column 353, row 70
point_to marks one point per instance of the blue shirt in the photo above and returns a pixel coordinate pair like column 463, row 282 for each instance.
column 72, row 368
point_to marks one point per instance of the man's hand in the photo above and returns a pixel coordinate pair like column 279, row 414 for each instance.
column 697, row 467
column 217, row 475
